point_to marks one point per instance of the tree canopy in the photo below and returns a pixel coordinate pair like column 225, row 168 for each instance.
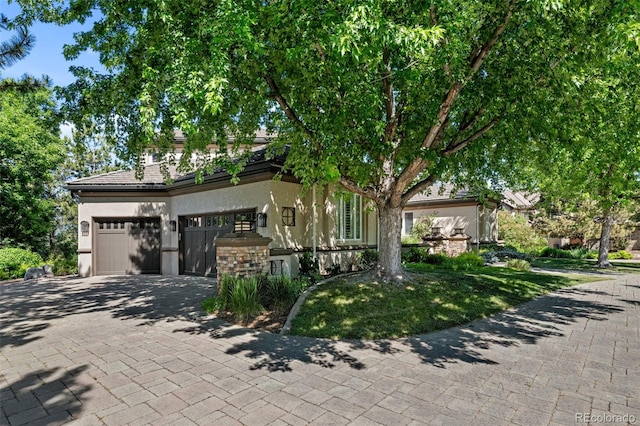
column 30, row 149
column 383, row 96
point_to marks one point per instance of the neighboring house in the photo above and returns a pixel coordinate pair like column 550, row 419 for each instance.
column 129, row 226
column 451, row 210
column 519, row 202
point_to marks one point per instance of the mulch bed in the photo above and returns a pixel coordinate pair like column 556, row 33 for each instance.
column 268, row 321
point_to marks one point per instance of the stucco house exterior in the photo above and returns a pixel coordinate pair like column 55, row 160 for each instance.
column 129, row 226
column 451, row 210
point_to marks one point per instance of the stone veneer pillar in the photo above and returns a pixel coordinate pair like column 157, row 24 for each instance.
column 451, row 246
column 242, row 255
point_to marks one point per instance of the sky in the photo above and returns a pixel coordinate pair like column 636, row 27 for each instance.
column 46, row 56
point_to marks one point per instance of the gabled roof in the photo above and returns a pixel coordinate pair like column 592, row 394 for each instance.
column 520, row 200
column 443, row 192
column 154, row 179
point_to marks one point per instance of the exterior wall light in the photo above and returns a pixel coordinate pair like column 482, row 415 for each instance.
column 84, row 228
column 173, row 225
column 262, row 220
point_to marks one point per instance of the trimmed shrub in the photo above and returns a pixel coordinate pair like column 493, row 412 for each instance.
column 620, row 254
column 575, row 253
column 14, row 262
column 464, row 262
column 519, row 264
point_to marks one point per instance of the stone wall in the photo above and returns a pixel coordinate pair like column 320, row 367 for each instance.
column 242, row 255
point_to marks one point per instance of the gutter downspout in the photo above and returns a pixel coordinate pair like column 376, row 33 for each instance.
column 315, row 220
column 477, row 228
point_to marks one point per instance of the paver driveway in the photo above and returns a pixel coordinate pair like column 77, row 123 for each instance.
column 137, row 350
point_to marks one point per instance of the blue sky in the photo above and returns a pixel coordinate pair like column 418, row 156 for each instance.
column 46, row 56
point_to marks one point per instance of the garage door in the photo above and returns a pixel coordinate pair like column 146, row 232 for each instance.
column 197, row 235
column 127, row 246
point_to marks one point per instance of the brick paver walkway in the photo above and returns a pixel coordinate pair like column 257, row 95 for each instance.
column 136, row 350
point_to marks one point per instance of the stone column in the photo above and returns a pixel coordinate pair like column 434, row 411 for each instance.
column 242, row 255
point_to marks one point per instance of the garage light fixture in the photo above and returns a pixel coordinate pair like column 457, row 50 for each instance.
column 262, row 220
column 84, row 228
column 173, row 225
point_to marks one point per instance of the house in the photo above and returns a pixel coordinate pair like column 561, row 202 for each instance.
column 517, row 202
column 452, row 209
column 129, row 226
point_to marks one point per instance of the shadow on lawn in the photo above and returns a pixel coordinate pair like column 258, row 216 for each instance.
column 526, row 324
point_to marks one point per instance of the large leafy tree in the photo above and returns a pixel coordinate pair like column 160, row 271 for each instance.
column 30, row 150
column 383, row 96
column 589, row 152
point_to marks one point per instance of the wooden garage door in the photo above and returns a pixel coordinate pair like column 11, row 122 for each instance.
column 127, row 246
column 197, row 235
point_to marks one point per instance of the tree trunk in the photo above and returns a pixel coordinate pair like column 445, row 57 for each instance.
column 605, row 236
column 390, row 244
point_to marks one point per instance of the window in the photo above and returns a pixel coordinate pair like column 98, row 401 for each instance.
column 408, row 222
column 289, row 216
column 349, row 217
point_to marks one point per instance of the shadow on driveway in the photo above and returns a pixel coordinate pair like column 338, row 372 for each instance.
column 29, row 307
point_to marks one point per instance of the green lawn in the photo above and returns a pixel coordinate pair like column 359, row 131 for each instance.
column 434, row 300
column 584, row 265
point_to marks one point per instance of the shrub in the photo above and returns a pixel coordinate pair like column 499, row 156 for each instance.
column 62, row 265
column 509, row 253
column 279, row 293
column 307, row 264
column 421, row 255
column 575, row 253
column 244, row 300
column 489, row 257
column 516, row 232
column 14, row 262
column 620, row 254
column 519, row 264
column 465, row 261
column 367, row 259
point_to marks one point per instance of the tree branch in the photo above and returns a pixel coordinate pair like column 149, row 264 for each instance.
column 390, row 106
column 417, row 188
column 351, row 185
column 458, row 145
column 289, row 112
column 478, row 58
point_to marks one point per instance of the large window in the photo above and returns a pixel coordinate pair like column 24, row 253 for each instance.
column 349, row 217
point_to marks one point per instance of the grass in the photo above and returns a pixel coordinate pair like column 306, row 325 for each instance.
column 436, row 299
column 584, row 265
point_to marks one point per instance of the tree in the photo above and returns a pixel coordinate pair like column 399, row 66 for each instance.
column 582, row 221
column 30, row 150
column 384, row 97
column 17, row 47
column 590, row 152
column 86, row 154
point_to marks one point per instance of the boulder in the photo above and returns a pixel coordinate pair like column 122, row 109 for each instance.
column 35, row 273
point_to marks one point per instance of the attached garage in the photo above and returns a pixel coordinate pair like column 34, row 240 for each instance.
column 197, row 236
column 127, row 246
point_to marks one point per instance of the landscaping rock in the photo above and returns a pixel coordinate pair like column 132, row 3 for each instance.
column 35, row 273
